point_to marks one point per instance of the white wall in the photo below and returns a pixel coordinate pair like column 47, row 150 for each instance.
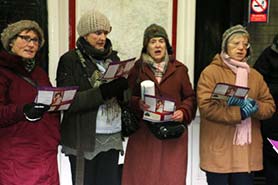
column 129, row 18
column 58, row 28
column 58, row 44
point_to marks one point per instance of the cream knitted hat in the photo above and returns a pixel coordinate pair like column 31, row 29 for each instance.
column 93, row 21
column 13, row 29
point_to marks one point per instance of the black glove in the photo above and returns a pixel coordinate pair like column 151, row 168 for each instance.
column 114, row 88
column 34, row 111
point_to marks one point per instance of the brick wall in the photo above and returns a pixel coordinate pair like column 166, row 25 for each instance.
column 262, row 33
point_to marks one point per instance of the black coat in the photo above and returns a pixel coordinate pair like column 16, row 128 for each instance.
column 83, row 110
column 267, row 65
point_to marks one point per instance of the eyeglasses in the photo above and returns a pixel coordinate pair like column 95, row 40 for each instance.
column 28, row 39
column 237, row 44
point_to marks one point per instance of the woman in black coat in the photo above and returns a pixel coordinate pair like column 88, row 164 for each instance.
column 267, row 65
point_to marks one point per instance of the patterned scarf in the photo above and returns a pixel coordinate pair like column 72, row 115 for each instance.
column 158, row 69
column 100, row 59
column 242, row 133
column 29, row 64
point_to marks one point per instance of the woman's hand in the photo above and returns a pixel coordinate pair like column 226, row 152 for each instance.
column 178, row 116
column 143, row 106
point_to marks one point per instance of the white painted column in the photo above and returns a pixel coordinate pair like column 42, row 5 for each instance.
column 185, row 53
column 58, row 30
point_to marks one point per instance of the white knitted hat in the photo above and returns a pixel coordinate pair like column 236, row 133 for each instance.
column 93, row 21
column 15, row 28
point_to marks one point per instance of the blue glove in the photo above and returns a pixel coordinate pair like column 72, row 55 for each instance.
column 232, row 100
column 248, row 108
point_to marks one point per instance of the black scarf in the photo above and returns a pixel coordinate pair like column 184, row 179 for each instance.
column 92, row 52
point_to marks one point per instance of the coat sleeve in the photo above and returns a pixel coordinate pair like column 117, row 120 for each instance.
column 211, row 109
column 188, row 96
column 263, row 98
column 134, row 84
column 9, row 113
column 86, row 98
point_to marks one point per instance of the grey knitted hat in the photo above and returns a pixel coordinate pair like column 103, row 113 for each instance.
column 93, row 21
column 13, row 29
column 229, row 32
column 152, row 31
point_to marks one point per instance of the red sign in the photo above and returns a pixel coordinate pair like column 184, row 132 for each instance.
column 258, row 10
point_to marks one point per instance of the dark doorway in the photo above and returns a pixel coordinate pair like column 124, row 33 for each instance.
column 212, row 19
column 15, row 10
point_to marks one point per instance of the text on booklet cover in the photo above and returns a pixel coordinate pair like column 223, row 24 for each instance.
column 160, row 109
column 59, row 98
column 224, row 90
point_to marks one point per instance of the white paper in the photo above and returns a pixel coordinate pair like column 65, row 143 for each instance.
column 147, row 88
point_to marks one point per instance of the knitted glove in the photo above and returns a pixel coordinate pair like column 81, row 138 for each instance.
column 232, row 100
column 114, row 88
column 249, row 108
column 34, row 111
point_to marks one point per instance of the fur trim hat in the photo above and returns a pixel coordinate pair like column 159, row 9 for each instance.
column 229, row 32
column 274, row 45
column 152, row 31
column 13, row 29
column 93, row 21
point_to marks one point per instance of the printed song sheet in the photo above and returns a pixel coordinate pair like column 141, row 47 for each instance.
column 224, row 90
column 59, row 98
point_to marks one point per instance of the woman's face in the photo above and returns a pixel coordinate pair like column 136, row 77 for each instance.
column 26, row 44
column 97, row 39
column 237, row 46
column 157, row 48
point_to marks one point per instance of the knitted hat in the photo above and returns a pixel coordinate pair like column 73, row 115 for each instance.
column 274, row 45
column 152, row 31
column 229, row 32
column 93, row 21
column 13, row 29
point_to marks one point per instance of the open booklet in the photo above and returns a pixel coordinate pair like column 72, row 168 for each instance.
column 118, row 69
column 59, row 98
column 224, row 90
column 274, row 144
column 160, row 109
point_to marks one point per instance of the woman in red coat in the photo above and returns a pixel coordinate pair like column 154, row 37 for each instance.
column 149, row 160
column 29, row 135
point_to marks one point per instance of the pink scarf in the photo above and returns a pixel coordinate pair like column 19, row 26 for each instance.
column 242, row 133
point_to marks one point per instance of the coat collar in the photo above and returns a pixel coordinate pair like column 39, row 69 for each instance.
column 172, row 66
column 13, row 63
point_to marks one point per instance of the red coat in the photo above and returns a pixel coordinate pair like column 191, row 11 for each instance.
column 28, row 151
column 151, row 161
